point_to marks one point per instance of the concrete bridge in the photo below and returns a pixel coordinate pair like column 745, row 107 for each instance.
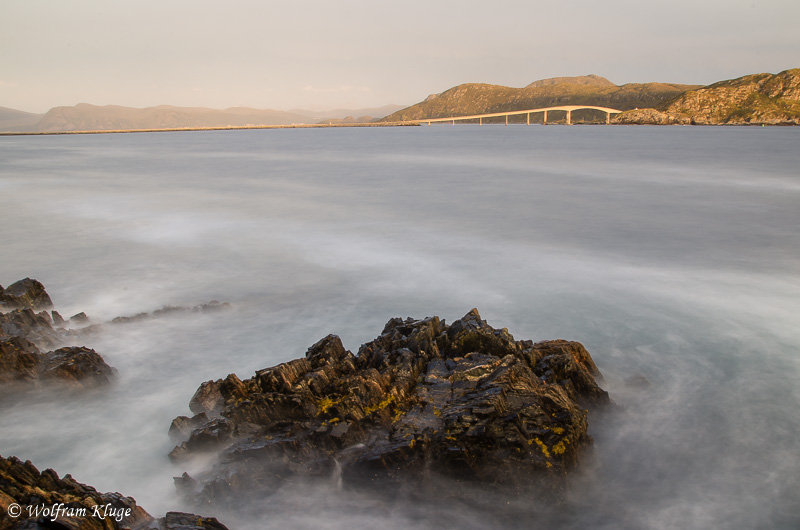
column 480, row 117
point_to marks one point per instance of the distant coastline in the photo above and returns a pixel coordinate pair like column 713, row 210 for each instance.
column 228, row 128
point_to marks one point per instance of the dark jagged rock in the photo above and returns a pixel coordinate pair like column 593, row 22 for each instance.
column 36, row 327
column 25, row 293
column 26, row 330
column 33, row 500
column 72, row 505
column 23, row 332
column 21, row 362
column 189, row 521
column 464, row 401
column 77, row 365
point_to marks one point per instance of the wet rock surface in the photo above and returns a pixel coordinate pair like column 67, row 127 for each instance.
column 30, row 499
column 463, row 401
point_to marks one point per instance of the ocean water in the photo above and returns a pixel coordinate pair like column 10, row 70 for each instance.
column 672, row 254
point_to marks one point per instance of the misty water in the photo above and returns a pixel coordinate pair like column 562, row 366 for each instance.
column 672, row 254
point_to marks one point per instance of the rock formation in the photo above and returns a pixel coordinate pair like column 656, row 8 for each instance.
column 23, row 332
column 33, row 500
column 464, row 401
column 27, row 329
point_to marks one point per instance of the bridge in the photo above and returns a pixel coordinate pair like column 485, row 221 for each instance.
column 568, row 108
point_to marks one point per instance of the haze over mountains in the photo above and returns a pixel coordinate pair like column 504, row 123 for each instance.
column 86, row 117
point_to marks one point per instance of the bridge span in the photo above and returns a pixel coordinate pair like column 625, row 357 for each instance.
column 480, row 117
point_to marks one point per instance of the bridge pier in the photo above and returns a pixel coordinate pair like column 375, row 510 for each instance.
column 545, row 118
column 529, row 118
column 608, row 118
column 480, row 121
column 569, row 117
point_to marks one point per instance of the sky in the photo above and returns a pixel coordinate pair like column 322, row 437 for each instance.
column 325, row 54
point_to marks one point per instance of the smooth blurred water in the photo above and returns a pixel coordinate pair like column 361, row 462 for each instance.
column 672, row 253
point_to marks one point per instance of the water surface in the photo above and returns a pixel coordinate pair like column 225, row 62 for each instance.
column 672, row 253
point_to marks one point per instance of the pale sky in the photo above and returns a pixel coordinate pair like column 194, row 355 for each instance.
column 325, row 54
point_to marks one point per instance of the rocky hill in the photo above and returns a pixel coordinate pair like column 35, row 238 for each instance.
column 770, row 99
column 475, row 98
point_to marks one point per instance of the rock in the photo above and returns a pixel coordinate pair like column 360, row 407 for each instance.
column 209, row 307
column 22, row 364
column 182, row 426
column 189, row 521
column 649, row 117
column 80, row 318
column 70, row 504
column 207, row 398
column 464, row 401
column 78, row 366
column 35, row 327
column 25, row 293
column 19, row 360
column 45, row 501
column 58, row 320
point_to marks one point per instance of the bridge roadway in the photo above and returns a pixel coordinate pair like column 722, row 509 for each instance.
column 479, row 117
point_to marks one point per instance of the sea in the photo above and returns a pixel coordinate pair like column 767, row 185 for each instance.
column 671, row 253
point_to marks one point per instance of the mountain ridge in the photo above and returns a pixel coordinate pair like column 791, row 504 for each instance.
column 483, row 98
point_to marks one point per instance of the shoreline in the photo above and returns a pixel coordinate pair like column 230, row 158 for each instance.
column 220, row 128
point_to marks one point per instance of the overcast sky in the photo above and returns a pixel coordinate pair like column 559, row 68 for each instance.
column 358, row 53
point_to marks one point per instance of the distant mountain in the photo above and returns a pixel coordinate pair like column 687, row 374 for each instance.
column 85, row 117
column 17, row 120
column 475, row 98
column 771, row 99
column 365, row 114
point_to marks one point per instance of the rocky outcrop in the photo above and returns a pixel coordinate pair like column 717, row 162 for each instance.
column 33, row 500
column 25, row 293
column 23, row 332
column 464, row 401
column 649, row 117
column 749, row 100
column 27, row 329
column 22, row 363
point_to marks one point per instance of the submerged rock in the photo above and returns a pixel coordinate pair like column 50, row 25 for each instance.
column 33, row 500
column 464, row 401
